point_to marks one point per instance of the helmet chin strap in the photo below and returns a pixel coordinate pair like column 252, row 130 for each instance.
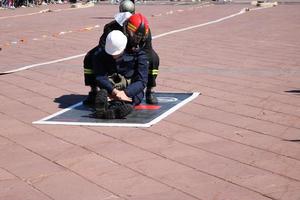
column 141, row 29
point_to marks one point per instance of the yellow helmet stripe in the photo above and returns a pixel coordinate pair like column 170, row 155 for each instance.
column 131, row 27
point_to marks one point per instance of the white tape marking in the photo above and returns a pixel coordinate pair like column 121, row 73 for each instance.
column 199, row 25
column 44, row 63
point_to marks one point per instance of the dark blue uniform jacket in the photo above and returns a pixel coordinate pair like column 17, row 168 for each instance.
column 132, row 66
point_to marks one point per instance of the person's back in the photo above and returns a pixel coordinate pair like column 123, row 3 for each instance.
column 113, row 25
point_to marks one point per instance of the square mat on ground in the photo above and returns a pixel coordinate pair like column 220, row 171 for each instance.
column 144, row 115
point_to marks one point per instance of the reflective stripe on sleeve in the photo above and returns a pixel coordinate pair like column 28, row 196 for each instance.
column 88, row 71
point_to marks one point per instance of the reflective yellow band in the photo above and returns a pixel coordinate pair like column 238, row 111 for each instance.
column 88, row 71
column 131, row 27
column 153, row 72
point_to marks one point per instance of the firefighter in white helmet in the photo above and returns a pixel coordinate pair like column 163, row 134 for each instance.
column 121, row 77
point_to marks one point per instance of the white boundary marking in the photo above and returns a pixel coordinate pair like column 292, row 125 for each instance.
column 200, row 25
column 154, row 121
column 41, row 64
column 154, row 37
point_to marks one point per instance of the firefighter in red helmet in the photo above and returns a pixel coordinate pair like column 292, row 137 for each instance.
column 139, row 37
column 136, row 28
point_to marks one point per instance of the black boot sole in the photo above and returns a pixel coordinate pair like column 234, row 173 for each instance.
column 101, row 103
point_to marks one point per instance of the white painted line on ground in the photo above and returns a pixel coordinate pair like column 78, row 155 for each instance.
column 91, row 124
column 154, row 37
column 41, row 64
column 58, row 113
column 200, row 25
column 195, row 94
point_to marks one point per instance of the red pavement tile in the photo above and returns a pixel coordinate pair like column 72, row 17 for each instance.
column 207, row 187
column 172, row 194
column 198, row 159
column 44, row 144
column 25, row 164
column 178, row 152
column 121, row 152
column 17, row 189
column 4, row 175
column 119, row 179
column 237, row 134
column 68, row 185
column 131, row 184
column 220, row 91
column 87, row 163
column 18, row 110
column 257, row 113
column 76, row 135
column 29, row 98
column 263, row 127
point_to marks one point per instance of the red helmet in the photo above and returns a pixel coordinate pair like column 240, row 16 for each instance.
column 138, row 24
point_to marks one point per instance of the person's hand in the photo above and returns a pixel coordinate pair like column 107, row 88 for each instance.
column 121, row 95
column 111, row 97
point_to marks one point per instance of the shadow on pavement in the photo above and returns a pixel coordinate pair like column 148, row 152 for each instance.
column 66, row 101
column 294, row 91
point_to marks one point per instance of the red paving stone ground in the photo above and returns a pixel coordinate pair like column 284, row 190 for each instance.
column 239, row 140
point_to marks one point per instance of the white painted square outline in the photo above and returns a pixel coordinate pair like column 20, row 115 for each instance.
column 154, row 121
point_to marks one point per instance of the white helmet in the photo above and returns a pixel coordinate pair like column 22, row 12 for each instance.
column 127, row 6
column 115, row 43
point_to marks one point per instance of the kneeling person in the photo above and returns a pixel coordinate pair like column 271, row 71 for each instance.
column 121, row 76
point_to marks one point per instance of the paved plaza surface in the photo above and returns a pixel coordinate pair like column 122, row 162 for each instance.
column 238, row 140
